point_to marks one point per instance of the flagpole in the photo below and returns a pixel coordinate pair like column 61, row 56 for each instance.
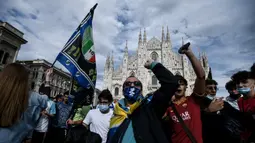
column 53, row 63
column 71, row 86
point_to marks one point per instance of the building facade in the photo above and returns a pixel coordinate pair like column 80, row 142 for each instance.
column 157, row 50
column 61, row 80
column 11, row 40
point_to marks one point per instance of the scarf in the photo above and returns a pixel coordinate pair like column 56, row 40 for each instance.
column 120, row 114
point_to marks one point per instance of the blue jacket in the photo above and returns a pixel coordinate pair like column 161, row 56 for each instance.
column 28, row 121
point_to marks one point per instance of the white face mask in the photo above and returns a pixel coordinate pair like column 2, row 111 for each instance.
column 210, row 97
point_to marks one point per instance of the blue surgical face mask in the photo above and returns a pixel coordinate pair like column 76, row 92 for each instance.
column 131, row 93
column 244, row 90
column 103, row 108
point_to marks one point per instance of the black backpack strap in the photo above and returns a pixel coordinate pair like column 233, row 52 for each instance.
column 186, row 129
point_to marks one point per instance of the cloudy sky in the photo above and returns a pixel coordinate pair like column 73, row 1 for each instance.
column 224, row 29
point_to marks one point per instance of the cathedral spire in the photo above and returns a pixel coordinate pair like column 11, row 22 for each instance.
column 108, row 58
column 144, row 36
column 167, row 35
column 199, row 53
column 204, row 55
column 107, row 63
column 111, row 63
column 210, row 74
column 140, row 37
column 126, row 48
column 112, row 56
column 163, row 35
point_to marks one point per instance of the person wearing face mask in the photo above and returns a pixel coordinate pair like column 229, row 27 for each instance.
column 138, row 118
column 221, row 120
column 245, row 86
column 245, row 82
column 211, row 88
column 233, row 94
column 98, row 120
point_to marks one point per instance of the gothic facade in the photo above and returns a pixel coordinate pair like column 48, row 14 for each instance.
column 60, row 82
column 11, row 40
column 157, row 50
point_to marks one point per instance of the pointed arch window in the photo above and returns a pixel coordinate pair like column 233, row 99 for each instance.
column 204, row 63
column 177, row 73
column 32, row 85
column 154, row 56
column 132, row 73
column 6, row 57
column 1, row 55
column 154, row 80
column 116, row 91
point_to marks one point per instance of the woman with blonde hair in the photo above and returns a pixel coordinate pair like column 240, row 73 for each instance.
column 19, row 108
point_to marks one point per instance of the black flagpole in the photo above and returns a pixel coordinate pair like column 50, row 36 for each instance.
column 74, row 107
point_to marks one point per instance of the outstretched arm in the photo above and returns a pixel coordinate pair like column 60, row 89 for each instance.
column 199, row 88
column 169, row 85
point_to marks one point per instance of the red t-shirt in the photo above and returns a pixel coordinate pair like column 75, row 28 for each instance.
column 190, row 113
column 247, row 105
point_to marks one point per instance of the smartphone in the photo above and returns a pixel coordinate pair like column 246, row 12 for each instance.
column 184, row 47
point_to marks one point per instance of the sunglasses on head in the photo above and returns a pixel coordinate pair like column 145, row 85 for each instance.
column 136, row 83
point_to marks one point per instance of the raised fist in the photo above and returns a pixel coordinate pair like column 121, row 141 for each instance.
column 148, row 64
column 185, row 49
column 48, row 74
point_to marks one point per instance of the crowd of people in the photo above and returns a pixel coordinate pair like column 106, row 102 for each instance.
column 167, row 115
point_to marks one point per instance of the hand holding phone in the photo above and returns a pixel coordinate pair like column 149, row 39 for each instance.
column 185, row 48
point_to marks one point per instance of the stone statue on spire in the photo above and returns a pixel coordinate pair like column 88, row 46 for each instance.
column 140, row 37
column 144, row 36
column 163, row 35
column 167, row 35
column 126, row 48
column 112, row 59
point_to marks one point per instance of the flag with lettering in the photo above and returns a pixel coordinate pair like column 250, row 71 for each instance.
column 78, row 54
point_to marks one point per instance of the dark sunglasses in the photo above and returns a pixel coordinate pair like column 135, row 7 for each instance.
column 136, row 83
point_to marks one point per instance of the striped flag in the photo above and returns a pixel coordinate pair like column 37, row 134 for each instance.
column 78, row 54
